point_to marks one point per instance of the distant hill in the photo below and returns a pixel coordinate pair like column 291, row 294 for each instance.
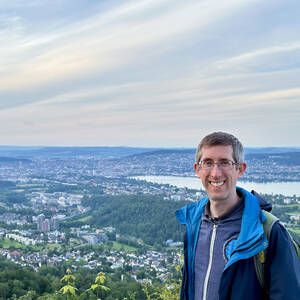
column 12, row 159
column 118, row 152
column 270, row 150
column 166, row 151
column 68, row 152
column 7, row 184
column 147, row 217
column 287, row 158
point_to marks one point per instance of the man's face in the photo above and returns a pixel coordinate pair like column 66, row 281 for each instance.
column 219, row 184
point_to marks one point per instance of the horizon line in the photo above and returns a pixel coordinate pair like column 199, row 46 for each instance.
column 123, row 146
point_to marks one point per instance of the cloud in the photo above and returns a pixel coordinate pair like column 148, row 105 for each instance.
column 108, row 42
column 281, row 57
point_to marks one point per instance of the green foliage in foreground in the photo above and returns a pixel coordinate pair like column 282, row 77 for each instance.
column 59, row 283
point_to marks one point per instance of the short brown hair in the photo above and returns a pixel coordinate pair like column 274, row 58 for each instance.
column 223, row 139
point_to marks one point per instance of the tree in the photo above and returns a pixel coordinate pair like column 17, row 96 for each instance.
column 31, row 295
column 149, row 295
column 98, row 285
column 68, row 289
column 4, row 290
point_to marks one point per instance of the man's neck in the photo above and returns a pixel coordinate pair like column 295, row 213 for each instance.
column 218, row 209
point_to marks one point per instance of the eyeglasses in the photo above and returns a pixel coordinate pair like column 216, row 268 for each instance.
column 225, row 165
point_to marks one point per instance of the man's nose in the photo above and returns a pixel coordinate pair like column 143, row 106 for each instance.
column 216, row 170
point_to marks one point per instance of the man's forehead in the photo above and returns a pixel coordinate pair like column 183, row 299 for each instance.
column 217, row 151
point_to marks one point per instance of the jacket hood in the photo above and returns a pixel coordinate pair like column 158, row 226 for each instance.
column 262, row 202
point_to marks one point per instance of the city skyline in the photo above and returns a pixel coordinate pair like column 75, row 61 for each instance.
column 149, row 73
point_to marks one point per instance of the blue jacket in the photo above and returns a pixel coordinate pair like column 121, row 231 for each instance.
column 239, row 279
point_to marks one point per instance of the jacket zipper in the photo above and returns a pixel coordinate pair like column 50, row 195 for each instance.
column 211, row 252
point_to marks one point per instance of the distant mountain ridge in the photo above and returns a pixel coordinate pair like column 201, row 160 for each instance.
column 107, row 152
column 63, row 152
column 270, row 150
column 12, row 159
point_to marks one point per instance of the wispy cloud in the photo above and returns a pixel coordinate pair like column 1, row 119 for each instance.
column 106, row 42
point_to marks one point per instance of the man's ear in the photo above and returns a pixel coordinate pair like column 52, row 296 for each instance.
column 242, row 168
column 196, row 167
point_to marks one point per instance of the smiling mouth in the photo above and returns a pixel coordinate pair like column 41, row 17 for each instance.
column 219, row 183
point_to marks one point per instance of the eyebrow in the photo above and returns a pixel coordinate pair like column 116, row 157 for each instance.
column 221, row 159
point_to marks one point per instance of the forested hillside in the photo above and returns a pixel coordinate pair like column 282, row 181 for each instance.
column 149, row 218
column 19, row 280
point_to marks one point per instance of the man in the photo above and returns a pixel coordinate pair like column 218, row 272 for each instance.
column 224, row 232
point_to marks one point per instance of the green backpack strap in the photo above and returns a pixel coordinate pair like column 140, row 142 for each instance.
column 259, row 258
column 268, row 223
column 296, row 245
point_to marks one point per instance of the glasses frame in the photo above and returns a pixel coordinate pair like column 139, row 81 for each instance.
column 218, row 164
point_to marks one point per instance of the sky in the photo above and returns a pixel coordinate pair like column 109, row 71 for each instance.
column 149, row 73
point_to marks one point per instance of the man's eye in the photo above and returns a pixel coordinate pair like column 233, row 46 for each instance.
column 224, row 163
column 208, row 163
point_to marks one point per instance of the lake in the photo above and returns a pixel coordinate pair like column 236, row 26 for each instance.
column 284, row 188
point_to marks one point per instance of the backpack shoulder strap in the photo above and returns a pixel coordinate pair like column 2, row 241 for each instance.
column 268, row 223
column 259, row 258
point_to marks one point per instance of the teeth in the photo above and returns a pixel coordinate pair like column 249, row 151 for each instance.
column 217, row 183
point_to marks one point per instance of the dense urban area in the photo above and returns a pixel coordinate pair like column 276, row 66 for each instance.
column 77, row 214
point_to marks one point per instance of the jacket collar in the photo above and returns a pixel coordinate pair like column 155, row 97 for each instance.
column 251, row 239
column 191, row 213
